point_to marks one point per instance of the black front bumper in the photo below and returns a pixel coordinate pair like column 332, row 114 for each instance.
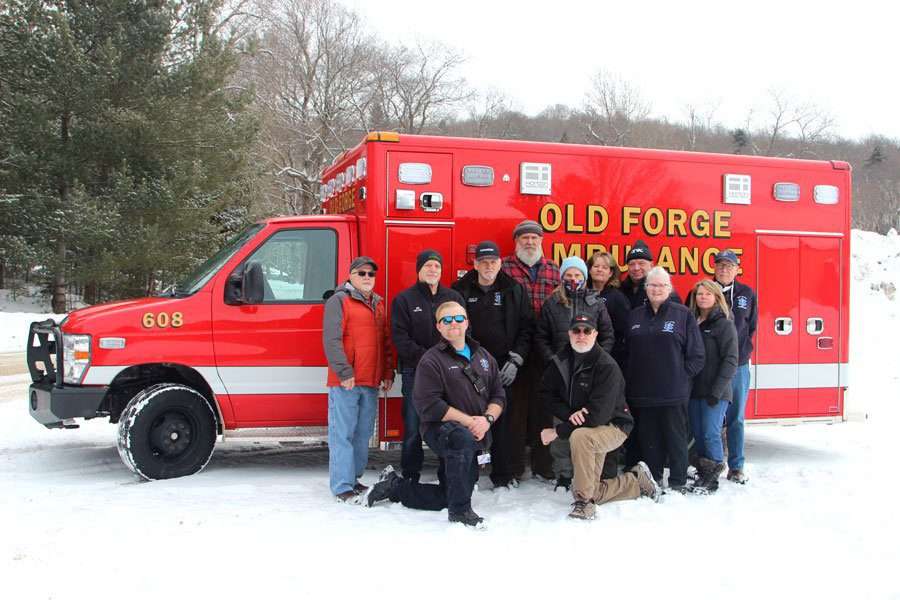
column 52, row 405
column 50, row 402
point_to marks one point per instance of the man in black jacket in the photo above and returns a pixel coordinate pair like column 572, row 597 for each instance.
column 413, row 332
column 458, row 396
column 639, row 260
column 584, row 390
column 501, row 319
column 741, row 300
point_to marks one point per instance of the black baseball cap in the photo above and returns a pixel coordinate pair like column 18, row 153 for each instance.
column 487, row 249
column 583, row 320
column 361, row 261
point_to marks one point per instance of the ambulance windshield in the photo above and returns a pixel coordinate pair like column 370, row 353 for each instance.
column 198, row 278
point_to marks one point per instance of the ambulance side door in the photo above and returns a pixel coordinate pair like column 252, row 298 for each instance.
column 269, row 355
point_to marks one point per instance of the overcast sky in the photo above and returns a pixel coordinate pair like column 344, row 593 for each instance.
column 841, row 56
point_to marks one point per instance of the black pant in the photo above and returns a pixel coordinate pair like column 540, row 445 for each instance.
column 663, row 434
column 501, row 471
column 458, row 471
column 530, row 418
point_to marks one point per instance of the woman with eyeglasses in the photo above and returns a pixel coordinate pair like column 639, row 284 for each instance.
column 604, row 279
column 571, row 297
column 711, row 388
column 665, row 351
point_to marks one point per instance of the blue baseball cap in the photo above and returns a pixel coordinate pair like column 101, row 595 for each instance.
column 728, row 255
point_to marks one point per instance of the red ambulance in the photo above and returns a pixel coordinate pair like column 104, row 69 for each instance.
column 237, row 345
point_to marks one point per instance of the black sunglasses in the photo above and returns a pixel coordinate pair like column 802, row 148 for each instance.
column 367, row 273
column 450, row 319
column 582, row 330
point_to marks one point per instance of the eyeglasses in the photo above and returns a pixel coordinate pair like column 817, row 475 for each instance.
column 367, row 273
column 657, row 286
column 724, row 264
column 451, row 318
column 582, row 330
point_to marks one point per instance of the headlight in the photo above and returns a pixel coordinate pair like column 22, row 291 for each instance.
column 76, row 357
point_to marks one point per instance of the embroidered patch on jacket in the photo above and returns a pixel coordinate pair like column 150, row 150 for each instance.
column 417, row 309
column 484, row 364
column 669, row 326
column 742, row 302
column 498, row 299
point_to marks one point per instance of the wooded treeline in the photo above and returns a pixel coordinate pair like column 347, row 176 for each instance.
column 136, row 135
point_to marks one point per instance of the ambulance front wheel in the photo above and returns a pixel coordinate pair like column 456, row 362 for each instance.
column 167, row 430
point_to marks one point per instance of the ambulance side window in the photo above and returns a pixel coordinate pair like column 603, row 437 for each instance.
column 298, row 265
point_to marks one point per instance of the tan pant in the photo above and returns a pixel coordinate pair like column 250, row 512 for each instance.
column 589, row 447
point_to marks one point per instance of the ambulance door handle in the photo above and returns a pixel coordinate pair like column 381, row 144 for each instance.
column 815, row 325
column 784, row 326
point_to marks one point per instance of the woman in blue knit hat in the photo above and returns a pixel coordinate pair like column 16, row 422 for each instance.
column 571, row 297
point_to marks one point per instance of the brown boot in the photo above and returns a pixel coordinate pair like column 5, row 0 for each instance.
column 583, row 509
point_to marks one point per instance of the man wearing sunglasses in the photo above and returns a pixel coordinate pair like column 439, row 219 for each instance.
column 584, row 390
column 360, row 360
column 413, row 332
column 458, row 396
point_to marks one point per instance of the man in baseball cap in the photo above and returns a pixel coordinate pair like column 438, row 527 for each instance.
column 742, row 301
column 501, row 319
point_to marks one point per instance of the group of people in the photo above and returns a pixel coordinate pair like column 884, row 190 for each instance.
column 523, row 362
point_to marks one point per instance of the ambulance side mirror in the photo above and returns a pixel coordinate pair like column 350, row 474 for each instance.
column 252, row 284
column 245, row 286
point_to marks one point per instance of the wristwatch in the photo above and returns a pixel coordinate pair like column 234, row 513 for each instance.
column 490, row 418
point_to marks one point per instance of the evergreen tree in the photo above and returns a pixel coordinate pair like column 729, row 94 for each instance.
column 124, row 140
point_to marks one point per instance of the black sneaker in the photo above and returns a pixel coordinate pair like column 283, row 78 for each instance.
column 468, row 518
column 563, row 482
column 381, row 491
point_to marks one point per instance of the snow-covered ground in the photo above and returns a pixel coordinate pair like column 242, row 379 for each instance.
column 16, row 316
column 816, row 520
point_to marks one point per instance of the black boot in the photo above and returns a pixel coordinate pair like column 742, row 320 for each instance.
column 468, row 518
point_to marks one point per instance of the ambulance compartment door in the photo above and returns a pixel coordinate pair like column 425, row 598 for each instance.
column 776, row 373
column 404, row 242
column 819, row 329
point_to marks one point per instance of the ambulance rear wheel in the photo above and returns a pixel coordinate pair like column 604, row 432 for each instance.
column 167, row 430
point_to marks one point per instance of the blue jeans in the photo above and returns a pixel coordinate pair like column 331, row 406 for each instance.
column 706, row 427
column 411, row 456
column 734, row 418
column 351, row 422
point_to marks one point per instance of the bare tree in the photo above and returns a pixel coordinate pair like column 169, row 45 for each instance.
column 612, row 107
column 485, row 111
column 309, row 68
column 417, row 86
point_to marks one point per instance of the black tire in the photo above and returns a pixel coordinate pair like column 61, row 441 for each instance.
column 167, row 430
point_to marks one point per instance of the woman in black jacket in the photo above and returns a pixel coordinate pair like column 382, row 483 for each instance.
column 711, row 388
column 570, row 298
column 604, row 279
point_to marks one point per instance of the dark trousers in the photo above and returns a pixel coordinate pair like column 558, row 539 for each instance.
column 501, row 472
column 526, row 419
column 632, row 445
column 457, row 473
column 663, row 434
column 411, row 454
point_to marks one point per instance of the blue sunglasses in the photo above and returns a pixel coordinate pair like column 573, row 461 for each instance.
column 457, row 318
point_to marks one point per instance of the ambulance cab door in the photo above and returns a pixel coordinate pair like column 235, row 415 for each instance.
column 404, row 242
column 820, row 326
column 269, row 355
column 776, row 374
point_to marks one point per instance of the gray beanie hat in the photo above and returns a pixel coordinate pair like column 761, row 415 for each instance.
column 528, row 226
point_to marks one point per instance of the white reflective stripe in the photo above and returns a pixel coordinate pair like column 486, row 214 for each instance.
column 101, row 375
column 281, row 380
column 104, row 376
column 211, row 375
column 246, row 380
column 802, row 376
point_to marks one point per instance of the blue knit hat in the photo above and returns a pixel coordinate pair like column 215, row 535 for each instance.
column 576, row 262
